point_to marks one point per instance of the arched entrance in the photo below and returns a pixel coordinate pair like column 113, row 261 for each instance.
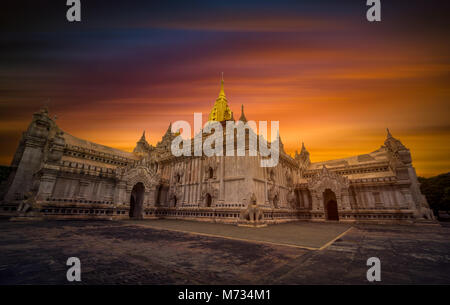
column 137, row 200
column 208, row 200
column 330, row 205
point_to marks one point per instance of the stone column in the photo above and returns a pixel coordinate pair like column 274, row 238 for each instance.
column 362, row 194
column 184, row 182
column 200, row 181
column 146, row 200
column 306, row 203
column 266, row 189
column 46, row 185
column 316, row 201
column 189, row 179
column 222, row 174
column 408, row 198
column 152, row 196
column 119, row 192
column 393, row 197
column 345, row 200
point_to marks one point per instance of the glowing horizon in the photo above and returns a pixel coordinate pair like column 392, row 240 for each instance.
column 332, row 79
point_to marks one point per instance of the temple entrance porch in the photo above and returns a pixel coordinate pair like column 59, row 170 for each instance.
column 330, row 205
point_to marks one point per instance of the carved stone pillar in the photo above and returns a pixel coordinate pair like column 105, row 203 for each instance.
column 317, row 203
column 408, row 198
column 151, row 196
column 200, row 181
column 345, row 200
column 82, row 189
column 46, row 185
column 266, row 188
column 145, row 201
column 306, row 203
column 221, row 183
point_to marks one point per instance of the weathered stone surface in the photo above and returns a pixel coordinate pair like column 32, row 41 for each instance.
column 124, row 253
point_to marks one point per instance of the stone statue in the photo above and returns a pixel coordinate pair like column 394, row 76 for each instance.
column 29, row 206
column 252, row 214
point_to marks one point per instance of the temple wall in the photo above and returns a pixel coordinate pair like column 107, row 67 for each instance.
column 86, row 189
column 382, row 196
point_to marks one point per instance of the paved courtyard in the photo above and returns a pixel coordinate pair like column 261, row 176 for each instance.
column 171, row 252
column 307, row 235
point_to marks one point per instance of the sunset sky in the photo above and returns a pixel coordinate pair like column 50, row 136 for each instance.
column 332, row 79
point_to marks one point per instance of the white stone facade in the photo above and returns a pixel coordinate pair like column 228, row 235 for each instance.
column 60, row 176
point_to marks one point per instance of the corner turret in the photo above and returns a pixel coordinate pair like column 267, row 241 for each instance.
column 142, row 146
column 303, row 158
column 243, row 118
column 397, row 149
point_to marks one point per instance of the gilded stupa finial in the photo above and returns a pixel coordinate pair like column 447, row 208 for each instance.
column 220, row 112
column 222, row 90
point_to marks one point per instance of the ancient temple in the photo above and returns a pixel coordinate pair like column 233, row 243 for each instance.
column 57, row 175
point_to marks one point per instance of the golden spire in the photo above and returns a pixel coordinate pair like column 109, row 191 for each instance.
column 221, row 111
column 222, row 91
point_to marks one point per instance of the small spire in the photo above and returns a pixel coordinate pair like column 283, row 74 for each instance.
column 222, row 90
column 44, row 110
column 388, row 133
column 303, row 151
column 242, row 118
column 169, row 130
column 279, row 138
column 143, row 137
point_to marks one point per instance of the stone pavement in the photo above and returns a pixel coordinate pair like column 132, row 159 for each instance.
column 308, row 235
column 128, row 253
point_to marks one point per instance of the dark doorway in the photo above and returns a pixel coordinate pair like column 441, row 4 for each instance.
column 330, row 205
column 208, row 200
column 158, row 195
column 174, row 201
column 332, row 211
column 137, row 201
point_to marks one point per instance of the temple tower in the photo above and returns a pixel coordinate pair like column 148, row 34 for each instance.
column 221, row 112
